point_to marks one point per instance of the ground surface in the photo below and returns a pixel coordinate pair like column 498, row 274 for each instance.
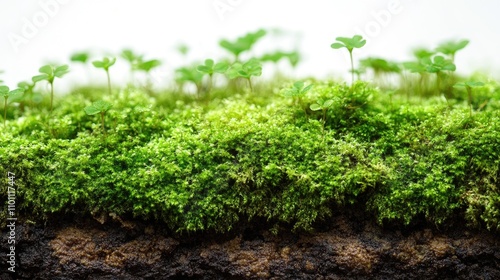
column 347, row 247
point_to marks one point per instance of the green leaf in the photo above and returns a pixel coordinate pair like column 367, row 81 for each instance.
column 307, row 88
column 61, row 71
column 98, row 107
column 337, row 45
column 80, row 57
column 47, row 69
column 221, row 67
column 4, row 90
column 147, row 65
column 328, row 103
column 315, row 107
column 98, row 64
column 40, row 78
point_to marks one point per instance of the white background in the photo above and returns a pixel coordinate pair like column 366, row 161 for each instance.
column 155, row 28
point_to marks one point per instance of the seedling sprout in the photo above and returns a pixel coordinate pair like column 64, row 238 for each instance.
column 468, row 86
column 349, row 43
column 99, row 107
column 49, row 73
column 5, row 92
column 105, row 63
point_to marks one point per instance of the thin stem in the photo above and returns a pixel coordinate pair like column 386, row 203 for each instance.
column 469, row 91
column 102, row 122
column 109, row 82
column 51, row 96
column 210, row 83
column 5, row 112
column 250, row 84
column 352, row 68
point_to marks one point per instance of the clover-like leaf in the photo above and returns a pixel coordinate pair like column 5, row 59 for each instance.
column 104, row 63
column 315, row 107
column 148, row 65
column 98, row 107
column 80, row 57
column 61, row 71
column 356, row 41
column 451, row 47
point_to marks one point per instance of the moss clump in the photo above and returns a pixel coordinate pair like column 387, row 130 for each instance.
column 205, row 166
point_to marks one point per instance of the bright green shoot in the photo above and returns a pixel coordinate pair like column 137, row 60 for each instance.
column 297, row 91
column 5, row 92
column 49, row 73
column 99, row 107
column 105, row 63
column 349, row 43
column 324, row 105
column 450, row 48
column 242, row 44
column 246, row 70
column 188, row 74
column 210, row 67
column 81, row 57
column 148, row 65
column 437, row 65
column 468, row 86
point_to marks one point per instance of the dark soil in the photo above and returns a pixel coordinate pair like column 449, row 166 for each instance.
column 347, row 247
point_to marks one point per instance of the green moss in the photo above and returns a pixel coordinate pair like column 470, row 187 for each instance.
column 206, row 166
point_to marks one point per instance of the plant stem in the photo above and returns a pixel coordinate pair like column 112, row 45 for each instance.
column 250, row 84
column 51, row 96
column 109, row 82
column 102, row 122
column 469, row 91
column 352, row 68
column 5, row 112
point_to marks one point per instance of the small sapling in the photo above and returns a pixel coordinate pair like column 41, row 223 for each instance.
column 468, row 86
column 99, row 107
column 105, row 63
column 210, row 67
column 356, row 41
column 49, row 73
column 6, row 93
column 324, row 105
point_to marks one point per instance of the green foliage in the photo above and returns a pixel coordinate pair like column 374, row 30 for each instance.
column 468, row 86
column 148, row 65
column 246, row 70
column 105, row 64
column 81, row 57
column 189, row 74
column 451, row 47
column 99, row 107
column 49, row 73
column 5, row 92
column 210, row 67
column 242, row 44
column 356, row 41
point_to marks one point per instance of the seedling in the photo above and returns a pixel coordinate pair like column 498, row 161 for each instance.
column 251, row 68
column 6, row 93
column 437, row 66
column 210, row 68
column 49, row 73
column 349, row 43
column 105, row 63
column 242, row 44
column 468, row 86
column 450, row 48
column 81, row 57
column 322, row 104
column 297, row 91
column 188, row 74
column 99, row 107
